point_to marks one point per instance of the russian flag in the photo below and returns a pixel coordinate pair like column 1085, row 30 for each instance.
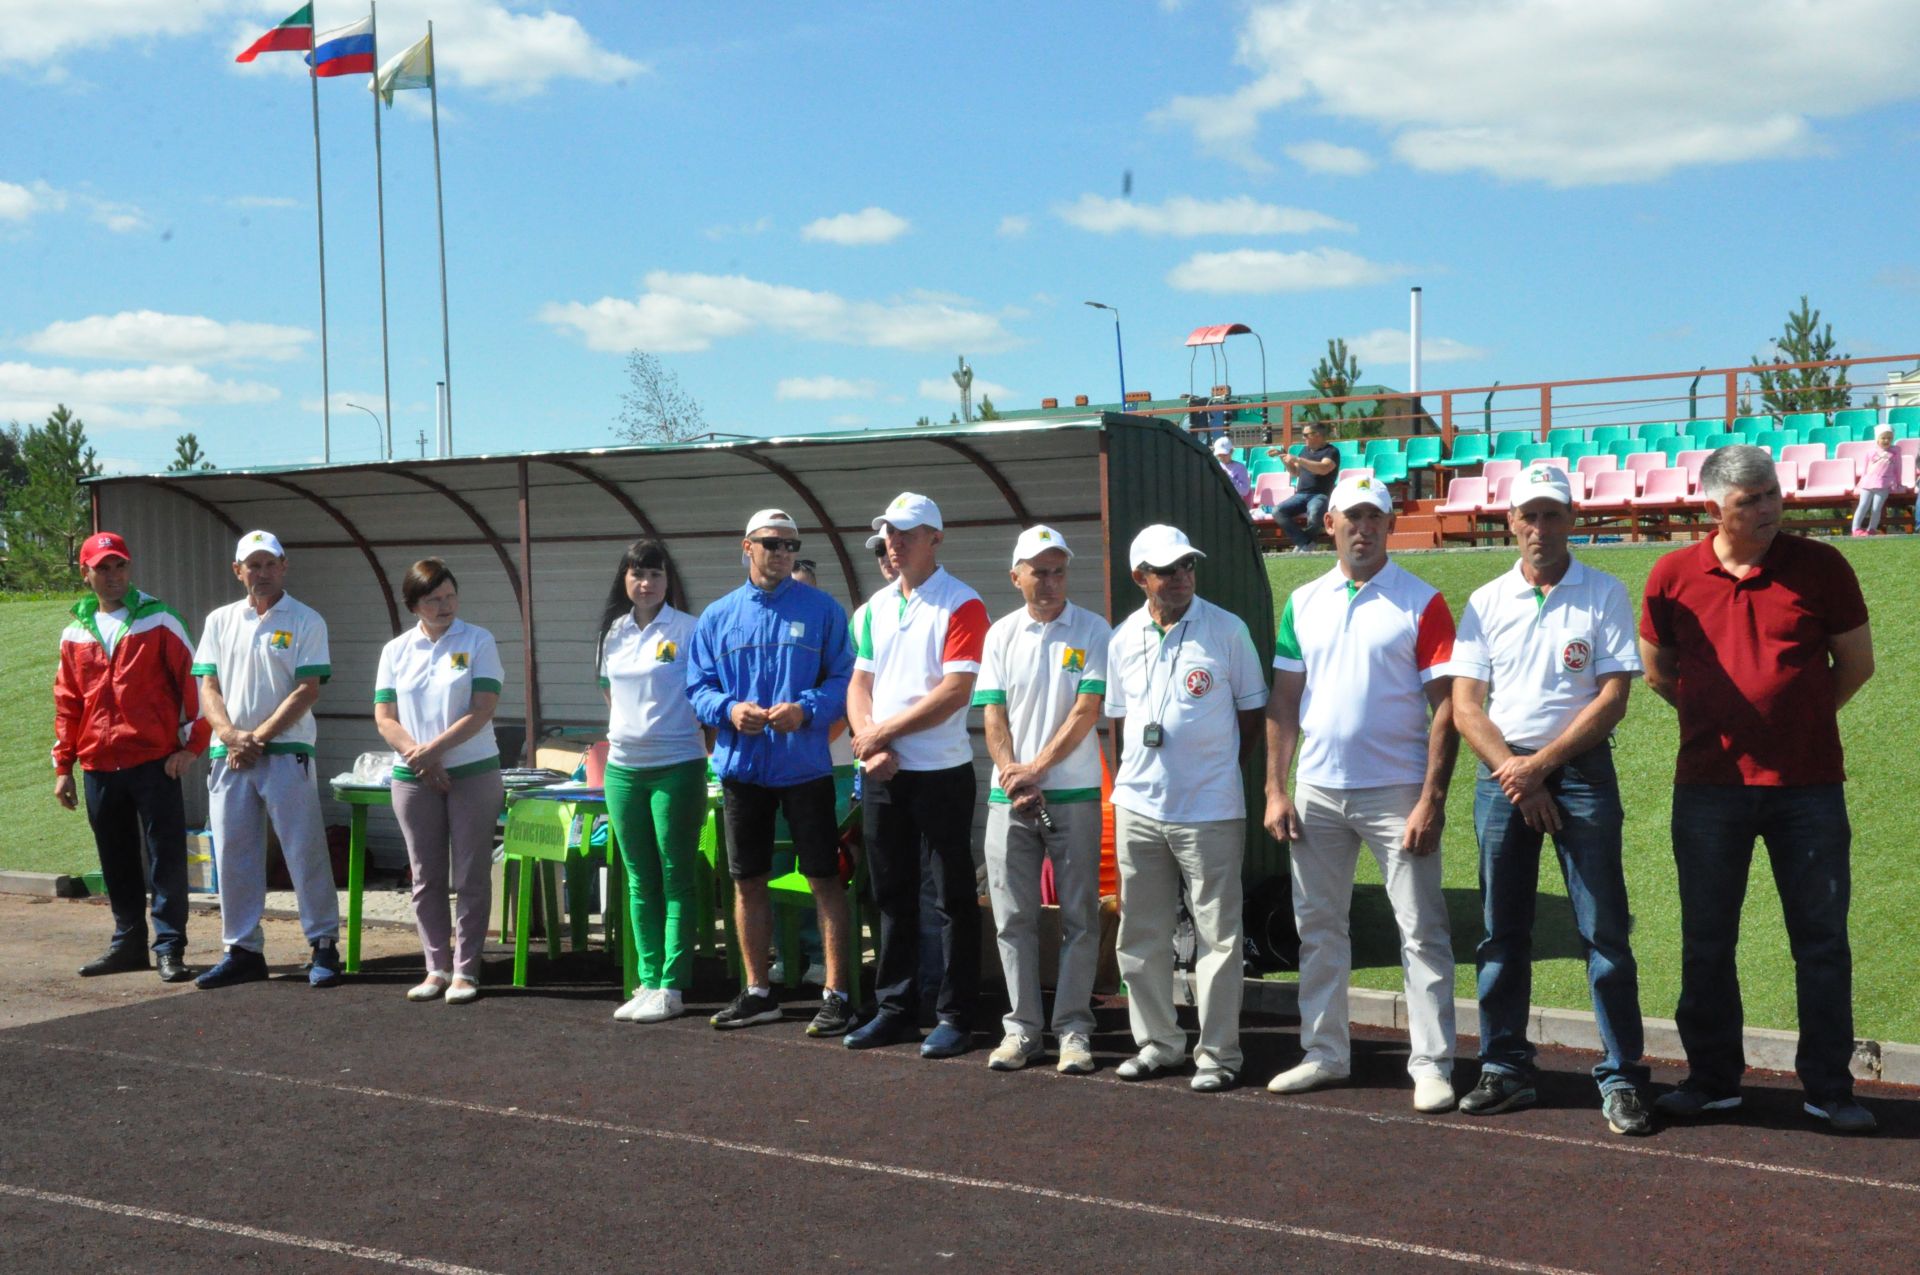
column 344, row 50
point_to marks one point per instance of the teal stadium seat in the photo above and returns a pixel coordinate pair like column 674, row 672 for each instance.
column 1604, row 434
column 1700, row 427
column 1655, row 430
column 1775, row 439
column 1468, row 449
column 1713, row 442
column 1423, row 452
column 1861, row 420
column 1625, row 447
column 1754, row 422
column 1556, row 438
column 1574, row 450
column 1382, row 447
column 1506, row 442
column 1527, row 453
column 1805, row 421
column 1672, row 447
column 1830, row 435
column 1389, row 467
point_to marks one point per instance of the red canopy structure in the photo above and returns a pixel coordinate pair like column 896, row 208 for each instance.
column 1214, row 336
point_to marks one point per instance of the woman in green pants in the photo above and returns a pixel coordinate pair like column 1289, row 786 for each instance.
column 656, row 774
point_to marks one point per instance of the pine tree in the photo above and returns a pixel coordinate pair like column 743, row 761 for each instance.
column 986, row 411
column 1812, row 389
column 1334, row 377
column 187, row 456
column 49, row 514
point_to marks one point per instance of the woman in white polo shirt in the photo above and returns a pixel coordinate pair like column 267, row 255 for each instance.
column 656, row 774
column 433, row 701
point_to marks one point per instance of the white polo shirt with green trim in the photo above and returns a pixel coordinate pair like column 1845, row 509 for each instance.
column 431, row 684
column 651, row 721
column 1037, row 671
column 259, row 659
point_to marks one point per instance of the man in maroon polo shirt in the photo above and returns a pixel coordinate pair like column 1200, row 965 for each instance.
column 1758, row 639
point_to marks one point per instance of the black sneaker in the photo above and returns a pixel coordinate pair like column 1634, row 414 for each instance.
column 747, row 1009
column 834, row 1018
column 1691, row 1101
column 239, row 965
column 1498, row 1092
column 1625, row 1112
column 118, row 960
column 1843, row 1115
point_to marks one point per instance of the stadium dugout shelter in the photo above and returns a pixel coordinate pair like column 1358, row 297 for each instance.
column 534, row 540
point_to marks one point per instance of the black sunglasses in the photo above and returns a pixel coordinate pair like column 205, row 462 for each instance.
column 1175, row 568
column 778, row 544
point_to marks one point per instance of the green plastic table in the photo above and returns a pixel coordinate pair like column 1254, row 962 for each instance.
column 357, row 797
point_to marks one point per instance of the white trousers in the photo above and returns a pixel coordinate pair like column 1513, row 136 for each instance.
column 1016, row 845
column 279, row 789
column 1155, row 858
column 1334, row 823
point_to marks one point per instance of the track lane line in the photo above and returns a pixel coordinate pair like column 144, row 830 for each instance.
column 241, row 1231
column 874, row 1167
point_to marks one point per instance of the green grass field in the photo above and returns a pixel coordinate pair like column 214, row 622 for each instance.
column 40, row 836
column 1886, row 872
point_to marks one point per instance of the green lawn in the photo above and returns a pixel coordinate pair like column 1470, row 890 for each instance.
column 1886, row 873
column 39, row 836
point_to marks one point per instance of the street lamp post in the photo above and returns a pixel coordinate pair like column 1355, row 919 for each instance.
column 379, row 430
column 1119, row 351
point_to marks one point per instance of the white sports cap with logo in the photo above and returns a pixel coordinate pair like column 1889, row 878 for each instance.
column 1222, row 446
column 1541, row 482
column 773, row 520
column 1035, row 541
column 1159, row 545
column 909, row 510
column 1355, row 492
column 255, row 541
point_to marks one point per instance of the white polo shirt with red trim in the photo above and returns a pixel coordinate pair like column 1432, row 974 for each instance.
column 1368, row 651
column 1542, row 652
column 909, row 644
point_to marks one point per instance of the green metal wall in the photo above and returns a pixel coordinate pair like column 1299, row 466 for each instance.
column 1157, row 472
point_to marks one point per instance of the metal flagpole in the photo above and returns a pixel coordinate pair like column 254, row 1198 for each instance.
column 440, row 206
column 320, row 212
column 380, row 210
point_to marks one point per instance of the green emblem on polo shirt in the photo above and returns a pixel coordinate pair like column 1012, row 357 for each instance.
column 459, row 660
column 666, row 651
column 280, row 640
column 1073, row 660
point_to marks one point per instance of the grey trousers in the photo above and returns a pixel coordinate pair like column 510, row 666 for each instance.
column 1015, row 847
column 279, row 789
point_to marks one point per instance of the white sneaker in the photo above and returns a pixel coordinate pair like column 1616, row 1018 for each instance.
column 1433, row 1094
column 431, row 988
column 1305, row 1078
column 1076, row 1054
column 1013, row 1054
column 666, row 1003
column 631, row 1011
column 462, row 991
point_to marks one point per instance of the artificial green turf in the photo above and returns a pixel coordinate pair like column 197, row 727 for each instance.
column 36, row 835
column 1875, row 728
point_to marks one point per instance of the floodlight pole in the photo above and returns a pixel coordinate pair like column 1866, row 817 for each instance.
column 381, row 443
column 1119, row 350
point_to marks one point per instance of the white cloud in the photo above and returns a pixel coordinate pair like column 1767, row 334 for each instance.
column 1328, row 157
column 155, row 385
column 263, row 201
column 1389, row 345
column 1257, row 270
column 941, row 389
column 119, row 218
column 1013, row 226
column 868, row 226
column 824, row 389
column 684, row 312
column 94, row 415
column 149, row 336
column 1184, row 216
column 17, row 203
column 758, row 226
column 46, row 30
column 1575, row 94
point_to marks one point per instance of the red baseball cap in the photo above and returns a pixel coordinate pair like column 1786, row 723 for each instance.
column 103, row 544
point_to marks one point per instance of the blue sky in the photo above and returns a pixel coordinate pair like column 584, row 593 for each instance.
column 808, row 214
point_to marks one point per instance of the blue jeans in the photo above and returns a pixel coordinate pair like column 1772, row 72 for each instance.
column 1588, row 845
column 1808, row 843
column 1313, row 505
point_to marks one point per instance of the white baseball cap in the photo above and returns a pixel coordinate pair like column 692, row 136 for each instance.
column 909, row 510
column 1351, row 493
column 1035, row 541
column 1883, row 431
column 876, row 541
column 1540, row 482
column 1160, row 546
column 1222, row 445
column 775, row 519
column 254, row 541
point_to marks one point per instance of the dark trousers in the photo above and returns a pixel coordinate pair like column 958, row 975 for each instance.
column 1808, row 842
column 937, row 806
column 121, row 805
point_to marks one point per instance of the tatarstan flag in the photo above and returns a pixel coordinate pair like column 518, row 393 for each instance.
column 295, row 35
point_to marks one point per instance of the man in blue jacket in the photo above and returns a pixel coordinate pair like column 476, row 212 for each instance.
column 770, row 667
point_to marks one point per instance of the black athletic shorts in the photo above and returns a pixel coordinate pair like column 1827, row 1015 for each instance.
column 815, row 833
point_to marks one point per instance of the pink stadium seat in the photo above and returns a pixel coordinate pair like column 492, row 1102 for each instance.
column 1464, row 496
column 1828, row 480
column 1644, row 463
column 1907, row 462
column 1360, row 472
column 1591, row 465
column 1665, row 487
column 1907, row 446
column 1558, row 462
column 1498, row 495
column 1577, row 488
column 1612, row 489
column 1691, row 462
column 1272, row 487
column 1802, row 454
column 1857, row 452
column 1790, row 473
column 1494, row 470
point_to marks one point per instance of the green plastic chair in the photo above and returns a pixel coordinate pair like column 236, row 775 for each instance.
column 1468, row 449
column 1806, row 421
column 1423, row 452
column 1861, row 420
column 1352, row 454
column 1672, row 447
column 1655, row 430
column 1908, row 416
column 539, row 836
column 1755, row 422
column 1527, row 453
column 1507, row 442
column 1830, row 435
column 1713, row 442
column 1381, row 447
column 1625, row 447
column 792, row 893
column 1557, row 437
column 1701, row 427
column 1574, row 450
column 1775, row 439
column 1604, row 434
column 1389, row 467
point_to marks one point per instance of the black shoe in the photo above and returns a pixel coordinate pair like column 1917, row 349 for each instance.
column 1691, row 1101
column 172, row 968
column 239, row 965
column 118, row 960
column 746, row 1010
column 882, row 1029
column 1843, row 1115
column 1498, row 1092
column 1625, row 1112
column 835, row 1016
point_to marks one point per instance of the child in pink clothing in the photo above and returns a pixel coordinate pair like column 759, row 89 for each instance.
column 1876, row 483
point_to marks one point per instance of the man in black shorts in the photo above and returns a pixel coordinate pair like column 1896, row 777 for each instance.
column 769, row 673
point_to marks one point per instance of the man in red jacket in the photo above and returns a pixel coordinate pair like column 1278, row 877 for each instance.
column 126, row 707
